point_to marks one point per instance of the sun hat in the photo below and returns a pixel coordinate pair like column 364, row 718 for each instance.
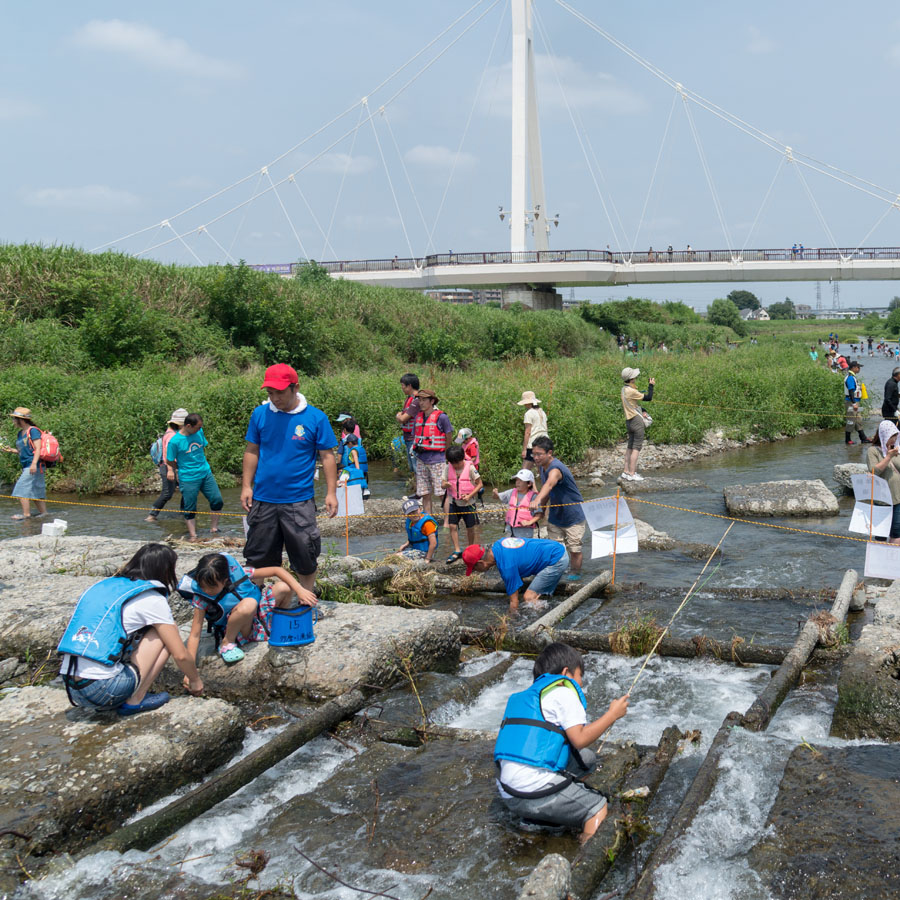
column 463, row 435
column 427, row 395
column 411, row 505
column 528, row 399
column 280, row 376
column 629, row 374
column 524, row 475
column 21, row 412
column 472, row 555
column 179, row 416
column 343, row 417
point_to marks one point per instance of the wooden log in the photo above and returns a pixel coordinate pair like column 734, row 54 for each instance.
column 492, row 584
column 559, row 612
column 148, row 831
column 378, row 575
column 762, row 709
column 697, row 794
column 599, row 853
column 595, row 641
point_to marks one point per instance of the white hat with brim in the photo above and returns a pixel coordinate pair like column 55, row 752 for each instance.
column 528, row 399
column 462, row 435
column 523, row 475
column 179, row 416
column 629, row 374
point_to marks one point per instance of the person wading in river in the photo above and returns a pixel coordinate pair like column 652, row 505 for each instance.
column 852, row 396
column 635, row 421
column 173, row 426
column 30, row 484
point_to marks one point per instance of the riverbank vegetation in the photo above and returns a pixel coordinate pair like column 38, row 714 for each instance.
column 103, row 348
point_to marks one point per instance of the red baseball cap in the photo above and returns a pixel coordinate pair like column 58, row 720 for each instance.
column 472, row 555
column 280, row 376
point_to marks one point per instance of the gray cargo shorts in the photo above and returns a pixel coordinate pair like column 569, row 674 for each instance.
column 276, row 527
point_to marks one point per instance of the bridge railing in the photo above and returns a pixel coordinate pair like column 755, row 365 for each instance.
column 614, row 257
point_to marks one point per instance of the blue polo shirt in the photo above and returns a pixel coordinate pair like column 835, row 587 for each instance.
column 187, row 451
column 517, row 558
column 289, row 444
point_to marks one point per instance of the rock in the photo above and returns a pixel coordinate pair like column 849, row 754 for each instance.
column 781, row 498
column 858, row 600
column 66, row 774
column 384, row 516
column 843, row 473
column 355, row 644
column 596, row 481
column 652, row 483
column 834, row 828
column 10, row 668
column 651, row 539
column 868, row 704
column 67, row 555
column 549, row 880
column 887, row 607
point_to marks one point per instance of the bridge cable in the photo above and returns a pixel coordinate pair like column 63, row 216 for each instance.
column 310, row 210
column 240, row 227
column 286, row 214
column 763, row 204
column 340, row 191
column 884, row 215
column 575, row 128
column 818, row 212
column 430, row 245
column 706, row 170
column 305, row 140
column 346, row 134
column 390, row 181
column 168, row 224
column 757, row 134
column 203, row 230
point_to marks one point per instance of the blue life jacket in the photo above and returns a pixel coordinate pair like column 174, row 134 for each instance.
column 417, row 540
column 347, row 465
column 527, row 737
column 219, row 607
column 95, row 631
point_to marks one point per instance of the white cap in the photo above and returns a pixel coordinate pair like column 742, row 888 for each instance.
column 463, row 435
column 629, row 374
column 524, row 475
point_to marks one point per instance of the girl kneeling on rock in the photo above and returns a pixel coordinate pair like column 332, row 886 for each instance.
column 121, row 635
column 235, row 603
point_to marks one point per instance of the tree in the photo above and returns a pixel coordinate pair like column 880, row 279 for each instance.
column 724, row 312
column 893, row 321
column 744, row 300
column 784, row 310
column 895, row 303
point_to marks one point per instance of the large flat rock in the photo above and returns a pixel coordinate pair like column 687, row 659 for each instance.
column 834, row 829
column 868, row 704
column 781, row 498
column 887, row 607
column 355, row 645
column 843, row 473
column 67, row 775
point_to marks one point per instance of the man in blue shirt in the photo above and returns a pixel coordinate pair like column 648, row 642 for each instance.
column 285, row 437
column 565, row 520
column 516, row 559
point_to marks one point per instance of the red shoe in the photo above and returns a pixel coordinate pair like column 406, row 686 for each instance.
column 850, row 443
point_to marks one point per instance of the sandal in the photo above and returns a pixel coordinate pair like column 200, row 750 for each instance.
column 231, row 654
column 453, row 557
column 215, row 530
column 18, row 517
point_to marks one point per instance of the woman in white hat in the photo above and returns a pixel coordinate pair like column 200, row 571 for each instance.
column 30, row 485
column 161, row 444
column 634, row 416
column 535, row 426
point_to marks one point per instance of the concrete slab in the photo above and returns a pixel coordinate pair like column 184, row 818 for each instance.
column 781, row 498
column 843, row 473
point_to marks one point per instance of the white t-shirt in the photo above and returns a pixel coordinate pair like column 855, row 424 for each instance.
column 149, row 608
column 537, row 419
column 560, row 706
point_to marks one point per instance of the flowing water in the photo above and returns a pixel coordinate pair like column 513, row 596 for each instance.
column 405, row 820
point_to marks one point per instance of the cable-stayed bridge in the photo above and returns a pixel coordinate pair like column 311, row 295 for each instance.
column 211, row 229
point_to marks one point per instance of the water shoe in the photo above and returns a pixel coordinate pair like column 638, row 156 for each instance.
column 625, row 477
column 231, row 654
column 453, row 557
column 637, row 477
column 151, row 701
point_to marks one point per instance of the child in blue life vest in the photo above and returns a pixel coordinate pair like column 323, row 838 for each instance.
column 355, row 463
column 521, row 520
column 462, row 484
column 541, row 751
column 235, row 602
column 122, row 634
column 421, row 532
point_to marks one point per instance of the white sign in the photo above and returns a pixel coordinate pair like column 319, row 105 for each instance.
column 882, row 561
column 880, row 517
column 625, row 542
column 602, row 513
column 865, row 485
column 350, row 500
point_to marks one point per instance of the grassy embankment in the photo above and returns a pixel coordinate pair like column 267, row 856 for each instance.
column 102, row 348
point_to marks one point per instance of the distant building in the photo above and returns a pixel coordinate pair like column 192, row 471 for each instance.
column 463, row 295
column 754, row 315
column 804, row 311
column 488, row 295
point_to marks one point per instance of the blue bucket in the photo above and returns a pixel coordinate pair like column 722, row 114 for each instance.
column 293, row 627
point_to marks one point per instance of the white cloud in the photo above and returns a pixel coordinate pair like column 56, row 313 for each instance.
column 99, row 198
column 759, row 43
column 437, row 157
column 12, row 108
column 150, row 47
column 584, row 90
column 338, row 163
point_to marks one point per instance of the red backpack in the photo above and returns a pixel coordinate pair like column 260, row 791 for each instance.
column 48, row 449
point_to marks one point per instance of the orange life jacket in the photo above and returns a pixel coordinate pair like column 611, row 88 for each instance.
column 409, row 424
column 426, row 434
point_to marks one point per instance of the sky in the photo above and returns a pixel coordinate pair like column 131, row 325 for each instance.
column 116, row 118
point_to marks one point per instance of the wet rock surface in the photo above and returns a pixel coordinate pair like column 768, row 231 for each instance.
column 794, row 497
column 835, row 826
column 354, row 645
column 843, row 473
column 67, row 775
column 652, row 483
column 385, row 516
column 868, row 704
